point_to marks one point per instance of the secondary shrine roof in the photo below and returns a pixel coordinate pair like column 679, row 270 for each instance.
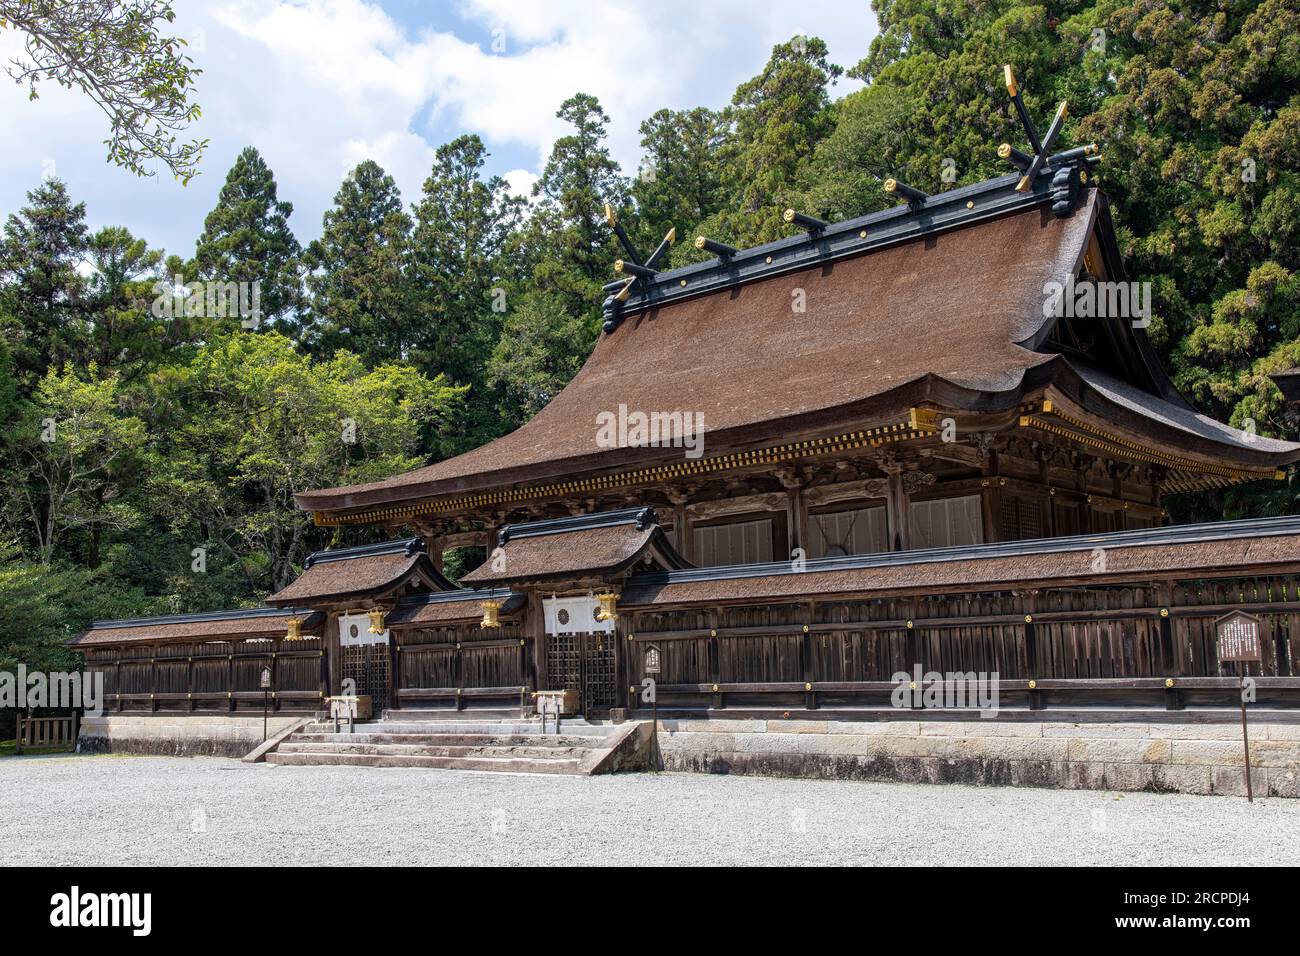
column 262, row 622
column 596, row 545
column 368, row 571
column 1253, row 545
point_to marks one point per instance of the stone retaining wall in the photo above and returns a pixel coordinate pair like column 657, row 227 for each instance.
column 1201, row 758
column 177, row 735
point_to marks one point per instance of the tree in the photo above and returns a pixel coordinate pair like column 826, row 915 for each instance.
column 777, row 119
column 936, row 107
column 360, row 277
column 462, row 223
column 246, row 239
column 680, row 182
column 579, row 178
column 129, row 334
column 75, row 455
column 42, row 293
column 542, row 347
column 266, row 422
column 117, row 53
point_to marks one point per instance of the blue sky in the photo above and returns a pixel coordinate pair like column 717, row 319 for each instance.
column 319, row 85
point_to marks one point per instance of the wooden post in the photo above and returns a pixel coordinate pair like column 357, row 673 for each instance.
column 682, row 522
column 534, row 618
column 805, row 655
column 1031, row 648
column 897, row 511
column 715, row 656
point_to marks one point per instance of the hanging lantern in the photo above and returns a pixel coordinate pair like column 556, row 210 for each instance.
column 491, row 614
column 607, row 603
column 377, row 620
column 294, row 632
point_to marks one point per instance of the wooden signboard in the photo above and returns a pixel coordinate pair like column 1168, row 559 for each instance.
column 652, row 660
column 1239, row 638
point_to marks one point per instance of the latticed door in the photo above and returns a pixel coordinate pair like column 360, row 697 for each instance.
column 367, row 666
column 585, row 663
column 599, row 687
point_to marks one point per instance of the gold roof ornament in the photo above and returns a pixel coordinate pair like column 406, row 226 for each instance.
column 376, row 620
column 607, row 611
column 293, row 631
column 491, row 614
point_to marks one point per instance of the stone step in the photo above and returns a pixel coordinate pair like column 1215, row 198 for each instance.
column 435, row 750
column 491, row 764
column 597, row 731
column 449, row 740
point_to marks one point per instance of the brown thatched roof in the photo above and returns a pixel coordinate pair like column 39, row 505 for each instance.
column 1162, row 553
column 367, row 571
column 596, row 545
column 216, row 626
column 452, row 607
column 949, row 315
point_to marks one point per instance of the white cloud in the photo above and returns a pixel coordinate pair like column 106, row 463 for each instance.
column 319, row 85
column 520, row 182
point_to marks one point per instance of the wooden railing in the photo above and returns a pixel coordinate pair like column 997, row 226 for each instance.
column 45, row 733
column 215, row 677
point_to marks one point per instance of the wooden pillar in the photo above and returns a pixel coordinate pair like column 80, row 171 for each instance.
column 897, row 512
column 534, row 618
column 333, row 651
column 991, row 500
column 682, row 525
column 797, row 521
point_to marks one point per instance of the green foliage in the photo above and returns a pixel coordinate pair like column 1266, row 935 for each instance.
column 246, row 238
column 462, row 223
column 680, row 182
column 360, row 271
column 74, row 451
column 542, row 346
column 264, row 422
column 118, row 55
column 42, row 295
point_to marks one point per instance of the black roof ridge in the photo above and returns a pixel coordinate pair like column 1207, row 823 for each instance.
column 238, row 614
column 405, row 546
column 1139, row 537
column 460, row 594
column 940, row 212
column 640, row 516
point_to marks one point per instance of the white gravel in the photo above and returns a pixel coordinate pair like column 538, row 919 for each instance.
column 165, row 810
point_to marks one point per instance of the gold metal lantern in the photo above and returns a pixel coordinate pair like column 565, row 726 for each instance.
column 491, row 614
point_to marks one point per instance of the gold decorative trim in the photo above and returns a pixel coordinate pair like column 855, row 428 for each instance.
column 920, row 423
column 1119, row 445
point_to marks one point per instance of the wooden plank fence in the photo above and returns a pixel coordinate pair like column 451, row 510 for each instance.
column 212, row 677
column 45, row 733
column 1142, row 645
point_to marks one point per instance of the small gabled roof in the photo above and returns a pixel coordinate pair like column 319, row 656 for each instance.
column 367, row 571
column 259, row 622
column 603, row 544
column 452, row 607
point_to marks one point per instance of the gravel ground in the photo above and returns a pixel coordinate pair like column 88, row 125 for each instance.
column 165, row 810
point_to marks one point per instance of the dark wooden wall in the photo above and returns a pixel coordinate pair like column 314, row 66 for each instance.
column 211, row 677
column 1065, row 647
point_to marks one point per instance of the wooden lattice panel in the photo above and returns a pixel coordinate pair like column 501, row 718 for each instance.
column 367, row 666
